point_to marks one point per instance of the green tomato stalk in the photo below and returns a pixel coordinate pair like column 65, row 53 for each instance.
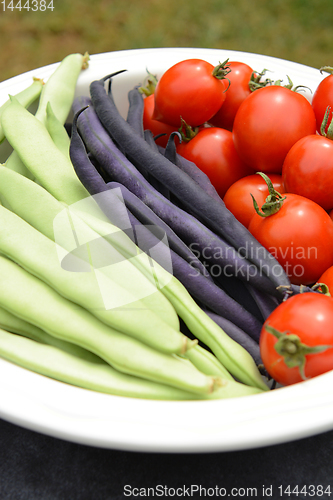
column 327, row 131
column 293, row 350
column 273, row 202
column 149, row 85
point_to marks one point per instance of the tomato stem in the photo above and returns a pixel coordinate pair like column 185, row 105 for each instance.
column 186, row 131
column 273, row 202
column 292, row 350
column 321, row 288
column 327, row 69
column 255, row 82
column 290, row 85
column 327, row 131
column 149, row 85
column 221, row 71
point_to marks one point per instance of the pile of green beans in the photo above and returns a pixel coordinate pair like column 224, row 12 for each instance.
column 54, row 321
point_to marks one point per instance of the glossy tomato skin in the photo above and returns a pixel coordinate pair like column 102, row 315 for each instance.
column 238, row 90
column 213, row 151
column 268, row 123
column 238, row 197
column 310, row 317
column 322, row 97
column 157, row 127
column 300, row 237
column 189, row 90
column 308, row 170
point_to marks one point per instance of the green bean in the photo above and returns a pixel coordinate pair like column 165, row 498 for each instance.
column 59, row 92
column 65, row 367
column 34, row 301
column 202, row 359
column 29, row 200
column 26, row 97
column 15, row 163
column 206, row 362
column 57, row 131
column 32, row 142
column 39, row 208
column 13, row 324
column 39, row 255
column 61, row 365
column 59, row 88
column 38, row 160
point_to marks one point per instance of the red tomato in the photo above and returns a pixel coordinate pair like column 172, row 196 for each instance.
column 327, row 279
column 238, row 197
column 322, row 98
column 308, row 170
column 300, row 237
column 213, row 151
column 309, row 316
column 157, row 127
column 188, row 90
column 238, row 90
column 268, row 123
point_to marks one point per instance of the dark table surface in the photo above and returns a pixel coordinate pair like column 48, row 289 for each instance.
column 34, row 466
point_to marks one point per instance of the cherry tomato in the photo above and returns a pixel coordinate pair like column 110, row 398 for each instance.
column 157, row 127
column 188, row 90
column 323, row 97
column 238, row 90
column 238, row 197
column 308, row 316
column 268, row 122
column 308, row 170
column 212, row 150
column 300, row 237
column 327, row 279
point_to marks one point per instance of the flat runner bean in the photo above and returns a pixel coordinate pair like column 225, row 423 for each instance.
column 59, row 92
column 39, row 208
column 32, row 142
column 13, row 324
column 65, row 367
column 202, row 359
column 26, row 97
column 32, row 300
column 19, row 241
column 60, row 87
column 57, row 131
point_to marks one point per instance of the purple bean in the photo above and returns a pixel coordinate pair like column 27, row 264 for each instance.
column 189, row 167
column 149, row 138
column 214, row 214
column 265, row 302
column 135, row 111
column 237, row 334
column 147, row 217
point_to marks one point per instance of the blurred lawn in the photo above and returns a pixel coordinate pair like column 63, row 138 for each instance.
column 298, row 30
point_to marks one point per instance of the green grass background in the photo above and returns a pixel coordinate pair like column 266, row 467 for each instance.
column 298, row 30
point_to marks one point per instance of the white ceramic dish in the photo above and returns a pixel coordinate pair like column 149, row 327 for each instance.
column 82, row 416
